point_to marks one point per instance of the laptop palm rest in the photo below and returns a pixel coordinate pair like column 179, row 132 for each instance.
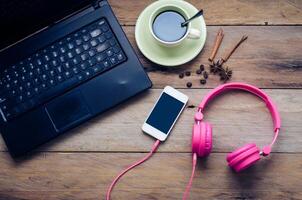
column 67, row 111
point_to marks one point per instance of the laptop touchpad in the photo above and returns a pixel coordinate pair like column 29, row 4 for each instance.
column 67, row 111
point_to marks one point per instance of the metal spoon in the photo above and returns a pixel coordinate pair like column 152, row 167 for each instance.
column 199, row 13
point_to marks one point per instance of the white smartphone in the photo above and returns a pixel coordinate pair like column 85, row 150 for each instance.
column 165, row 113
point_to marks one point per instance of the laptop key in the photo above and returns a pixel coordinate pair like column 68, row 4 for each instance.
column 63, row 49
column 70, row 54
column 36, row 81
column 46, row 67
column 101, row 22
column 70, row 45
column 13, row 92
column 116, row 49
column 91, row 52
column 97, row 68
column 92, row 61
column 95, row 33
column 86, row 38
column 67, row 74
column 106, row 64
column 100, row 57
column 59, row 69
column 109, row 52
column 29, row 94
column 85, row 47
column 84, row 56
column 37, row 90
column 93, row 43
column 108, row 35
column 79, row 50
column 104, row 28
column 101, row 39
column 102, row 47
column 79, row 41
column 59, row 78
column 112, row 42
column 113, row 60
column 43, row 86
column 52, row 73
column 80, row 77
column 76, row 60
column 55, row 54
column 88, row 74
column 75, row 70
column 120, row 56
column 84, row 65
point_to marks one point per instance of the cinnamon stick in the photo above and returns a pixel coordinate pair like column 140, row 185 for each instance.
column 217, row 43
column 228, row 55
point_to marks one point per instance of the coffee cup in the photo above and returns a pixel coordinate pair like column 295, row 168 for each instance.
column 165, row 26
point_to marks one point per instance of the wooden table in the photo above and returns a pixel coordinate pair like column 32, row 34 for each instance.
column 81, row 163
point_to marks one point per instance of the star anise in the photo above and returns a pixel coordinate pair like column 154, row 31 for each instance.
column 215, row 67
column 225, row 74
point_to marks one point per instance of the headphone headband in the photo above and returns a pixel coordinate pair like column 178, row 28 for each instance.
column 249, row 88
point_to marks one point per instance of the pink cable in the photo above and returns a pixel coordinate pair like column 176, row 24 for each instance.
column 188, row 188
column 154, row 147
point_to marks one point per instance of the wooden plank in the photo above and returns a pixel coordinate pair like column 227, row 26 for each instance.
column 236, row 117
column 164, row 176
column 220, row 12
column 270, row 58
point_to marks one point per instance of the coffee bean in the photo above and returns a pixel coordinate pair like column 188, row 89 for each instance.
column 189, row 84
column 201, row 67
column 188, row 73
column 198, row 71
column 205, row 75
column 181, row 75
column 203, row 81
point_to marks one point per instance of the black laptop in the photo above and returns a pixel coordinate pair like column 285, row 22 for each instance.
column 60, row 65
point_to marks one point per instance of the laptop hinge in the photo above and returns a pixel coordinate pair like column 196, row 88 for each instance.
column 99, row 3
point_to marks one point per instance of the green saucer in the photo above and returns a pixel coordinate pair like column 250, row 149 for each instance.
column 169, row 56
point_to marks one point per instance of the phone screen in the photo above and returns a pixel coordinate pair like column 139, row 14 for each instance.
column 165, row 113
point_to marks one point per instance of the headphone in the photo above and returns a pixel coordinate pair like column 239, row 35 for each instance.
column 243, row 157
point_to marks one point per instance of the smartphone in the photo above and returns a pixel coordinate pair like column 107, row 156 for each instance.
column 165, row 113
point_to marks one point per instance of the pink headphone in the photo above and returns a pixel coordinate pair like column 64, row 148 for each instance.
column 243, row 157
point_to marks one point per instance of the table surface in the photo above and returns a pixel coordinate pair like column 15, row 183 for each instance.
column 81, row 163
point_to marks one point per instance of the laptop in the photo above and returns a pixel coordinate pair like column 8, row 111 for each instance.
column 60, row 65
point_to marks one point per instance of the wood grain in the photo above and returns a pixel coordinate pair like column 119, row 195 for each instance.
column 220, row 12
column 236, row 116
column 164, row 176
column 270, row 58
column 82, row 163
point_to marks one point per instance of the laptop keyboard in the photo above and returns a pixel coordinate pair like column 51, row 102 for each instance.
column 59, row 67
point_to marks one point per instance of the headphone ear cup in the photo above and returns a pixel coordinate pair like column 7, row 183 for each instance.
column 206, row 134
column 244, row 157
column 202, row 139
column 196, row 137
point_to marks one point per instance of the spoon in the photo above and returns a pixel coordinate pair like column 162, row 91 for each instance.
column 199, row 13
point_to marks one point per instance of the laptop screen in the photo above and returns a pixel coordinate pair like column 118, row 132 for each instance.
column 20, row 18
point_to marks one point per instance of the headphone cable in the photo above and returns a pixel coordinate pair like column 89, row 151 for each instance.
column 188, row 188
column 154, row 147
